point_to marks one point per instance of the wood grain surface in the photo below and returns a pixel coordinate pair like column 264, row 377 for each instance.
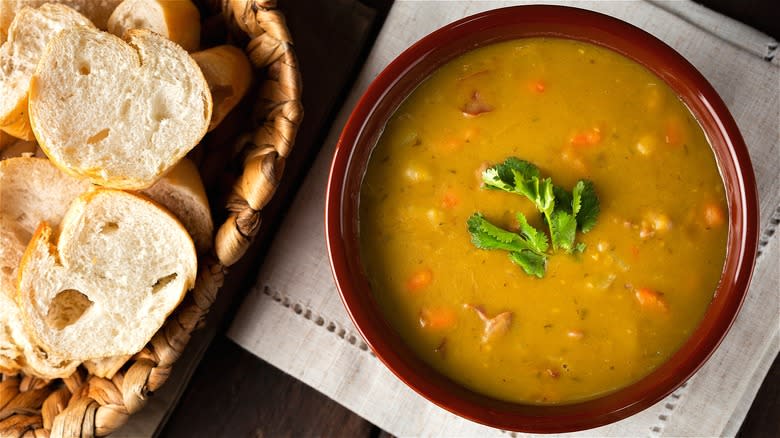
column 252, row 398
column 233, row 393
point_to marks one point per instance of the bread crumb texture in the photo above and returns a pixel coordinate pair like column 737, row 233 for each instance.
column 120, row 113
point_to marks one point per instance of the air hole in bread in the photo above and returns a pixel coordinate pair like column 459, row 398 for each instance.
column 84, row 69
column 66, row 308
column 98, row 136
column 125, row 109
column 162, row 282
column 109, row 228
column 7, row 270
column 160, row 110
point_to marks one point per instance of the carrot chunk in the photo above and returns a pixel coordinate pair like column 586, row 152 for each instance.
column 714, row 216
column 590, row 137
column 420, row 280
column 650, row 299
column 537, row 86
column 450, row 199
column 437, row 318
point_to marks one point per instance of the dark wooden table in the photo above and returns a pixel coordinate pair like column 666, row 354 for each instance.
column 233, row 393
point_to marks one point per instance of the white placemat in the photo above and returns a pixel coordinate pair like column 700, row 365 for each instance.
column 293, row 317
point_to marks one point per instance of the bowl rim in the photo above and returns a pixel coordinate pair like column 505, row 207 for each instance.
column 560, row 22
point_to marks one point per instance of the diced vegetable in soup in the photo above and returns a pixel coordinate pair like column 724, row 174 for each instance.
column 561, row 316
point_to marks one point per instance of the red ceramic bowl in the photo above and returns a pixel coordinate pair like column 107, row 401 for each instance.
column 400, row 78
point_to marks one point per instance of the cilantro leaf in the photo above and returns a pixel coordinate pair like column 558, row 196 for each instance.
column 525, row 249
column 493, row 180
column 536, row 238
column 531, row 262
column 563, row 226
column 513, row 175
column 588, row 211
column 517, row 166
column 546, row 200
column 523, row 178
column 563, row 199
column 485, row 235
column 576, row 197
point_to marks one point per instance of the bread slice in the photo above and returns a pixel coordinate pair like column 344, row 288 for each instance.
column 147, row 101
column 33, row 190
column 27, row 198
column 28, row 35
column 11, row 249
column 181, row 191
column 119, row 267
column 229, row 73
column 97, row 11
column 177, row 20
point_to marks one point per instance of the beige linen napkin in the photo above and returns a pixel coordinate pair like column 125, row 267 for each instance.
column 293, row 317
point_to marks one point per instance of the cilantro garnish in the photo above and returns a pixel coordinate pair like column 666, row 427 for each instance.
column 564, row 212
column 525, row 249
column 587, row 210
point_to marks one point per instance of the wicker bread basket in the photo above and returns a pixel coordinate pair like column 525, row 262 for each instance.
column 83, row 405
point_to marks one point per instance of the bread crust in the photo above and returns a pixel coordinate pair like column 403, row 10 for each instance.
column 183, row 184
column 16, row 122
column 225, row 68
column 178, row 20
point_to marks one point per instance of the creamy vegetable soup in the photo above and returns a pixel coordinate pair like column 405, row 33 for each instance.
column 619, row 242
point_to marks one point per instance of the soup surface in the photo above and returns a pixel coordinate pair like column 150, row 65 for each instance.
column 598, row 319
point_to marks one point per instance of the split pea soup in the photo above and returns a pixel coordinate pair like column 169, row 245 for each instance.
column 543, row 221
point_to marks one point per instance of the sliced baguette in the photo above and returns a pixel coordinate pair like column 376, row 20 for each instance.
column 147, row 99
column 28, row 35
column 228, row 73
column 120, row 265
column 177, row 20
column 33, row 190
column 181, row 191
column 97, row 11
column 12, row 247
column 27, row 199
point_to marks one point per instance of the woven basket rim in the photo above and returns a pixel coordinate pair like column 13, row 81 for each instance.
column 87, row 405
